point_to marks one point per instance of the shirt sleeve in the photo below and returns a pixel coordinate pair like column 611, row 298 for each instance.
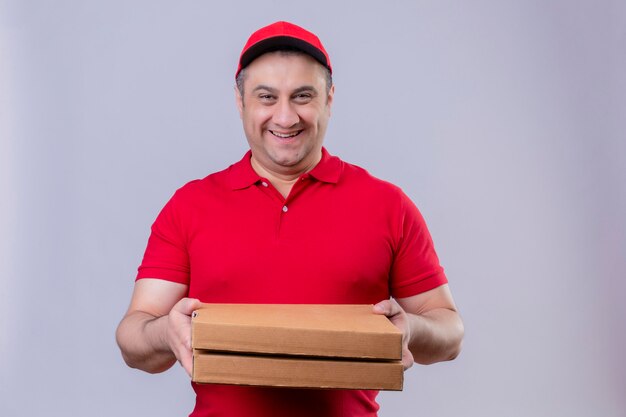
column 416, row 268
column 166, row 256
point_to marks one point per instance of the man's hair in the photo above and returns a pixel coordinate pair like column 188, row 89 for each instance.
column 285, row 51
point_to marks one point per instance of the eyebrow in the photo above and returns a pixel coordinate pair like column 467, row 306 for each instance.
column 264, row 87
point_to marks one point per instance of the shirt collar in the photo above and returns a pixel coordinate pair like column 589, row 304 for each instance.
column 242, row 175
column 328, row 168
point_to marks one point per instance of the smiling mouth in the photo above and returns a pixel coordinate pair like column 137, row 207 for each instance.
column 285, row 135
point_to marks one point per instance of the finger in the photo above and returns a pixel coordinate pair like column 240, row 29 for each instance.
column 186, row 361
column 382, row 307
column 186, row 306
column 387, row 307
column 407, row 359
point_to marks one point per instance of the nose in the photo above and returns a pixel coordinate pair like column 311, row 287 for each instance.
column 285, row 114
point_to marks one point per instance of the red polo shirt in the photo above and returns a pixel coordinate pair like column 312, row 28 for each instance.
column 340, row 237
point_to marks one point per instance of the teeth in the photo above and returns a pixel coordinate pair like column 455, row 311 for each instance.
column 284, row 135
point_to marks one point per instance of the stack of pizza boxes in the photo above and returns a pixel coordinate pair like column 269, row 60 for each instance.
column 296, row 345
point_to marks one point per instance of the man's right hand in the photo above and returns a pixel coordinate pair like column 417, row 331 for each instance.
column 156, row 330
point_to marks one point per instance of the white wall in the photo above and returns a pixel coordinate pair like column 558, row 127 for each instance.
column 503, row 120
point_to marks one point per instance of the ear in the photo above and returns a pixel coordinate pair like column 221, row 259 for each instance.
column 239, row 101
column 329, row 99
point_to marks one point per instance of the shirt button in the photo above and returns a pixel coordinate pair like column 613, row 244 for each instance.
column 264, row 184
column 285, row 209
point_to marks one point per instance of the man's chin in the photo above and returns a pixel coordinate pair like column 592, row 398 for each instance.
column 287, row 162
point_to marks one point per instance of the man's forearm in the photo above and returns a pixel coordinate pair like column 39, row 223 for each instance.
column 142, row 338
column 436, row 335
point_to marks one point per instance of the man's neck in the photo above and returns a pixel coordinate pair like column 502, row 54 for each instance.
column 282, row 181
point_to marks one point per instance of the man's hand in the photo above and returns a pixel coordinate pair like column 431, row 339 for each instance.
column 400, row 319
column 431, row 327
column 179, row 331
column 156, row 330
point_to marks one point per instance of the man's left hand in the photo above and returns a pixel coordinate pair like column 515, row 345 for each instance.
column 400, row 319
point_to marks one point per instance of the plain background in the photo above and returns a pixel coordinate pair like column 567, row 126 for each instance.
column 503, row 120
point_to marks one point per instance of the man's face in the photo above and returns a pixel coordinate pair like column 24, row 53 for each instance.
column 285, row 111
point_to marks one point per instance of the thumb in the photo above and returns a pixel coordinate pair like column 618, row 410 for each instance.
column 186, row 306
column 383, row 307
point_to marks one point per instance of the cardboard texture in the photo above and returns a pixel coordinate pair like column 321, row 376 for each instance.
column 296, row 372
column 348, row 331
column 296, row 345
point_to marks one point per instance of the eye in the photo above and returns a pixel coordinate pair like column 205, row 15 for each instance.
column 266, row 98
column 303, row 97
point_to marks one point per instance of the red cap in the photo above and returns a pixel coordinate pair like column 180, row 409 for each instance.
column 279, row 35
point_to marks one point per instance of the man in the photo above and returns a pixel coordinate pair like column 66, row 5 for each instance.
column 289, row 223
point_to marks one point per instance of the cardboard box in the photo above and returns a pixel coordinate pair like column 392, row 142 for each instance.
column 309, row 346
column 348, row 331
column 296, row 372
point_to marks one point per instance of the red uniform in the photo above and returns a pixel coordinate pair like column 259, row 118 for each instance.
column 340, row 237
